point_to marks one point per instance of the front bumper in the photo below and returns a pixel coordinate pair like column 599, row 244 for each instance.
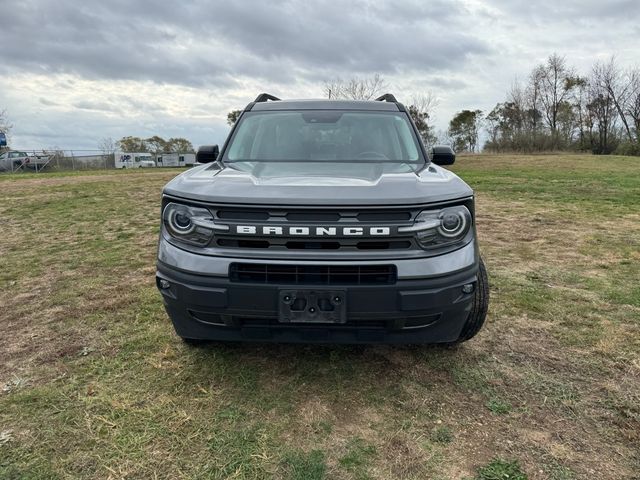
column 431, row 308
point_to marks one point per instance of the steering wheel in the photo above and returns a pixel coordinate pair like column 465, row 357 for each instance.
column 373, row 155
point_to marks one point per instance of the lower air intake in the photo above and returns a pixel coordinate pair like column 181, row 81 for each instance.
column 312, row 274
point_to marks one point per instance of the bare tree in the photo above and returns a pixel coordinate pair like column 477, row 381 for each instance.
column 632, row 107
column 356, row 88
column 421, row 111
column 426, row 102
column 579, row 105
column 554, row 82
column 107, row 146
column 612, row 80
column 603, row 115
column 533, row 97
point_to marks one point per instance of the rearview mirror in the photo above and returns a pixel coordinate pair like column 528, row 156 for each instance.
column 442, row 155
column 207, row 154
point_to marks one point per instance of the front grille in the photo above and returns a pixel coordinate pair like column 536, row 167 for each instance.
column 391, row 217
column 313, row 274
column 315, row 244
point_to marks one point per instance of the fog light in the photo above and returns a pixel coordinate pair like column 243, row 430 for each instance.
column 164, row 284
column 468, row 288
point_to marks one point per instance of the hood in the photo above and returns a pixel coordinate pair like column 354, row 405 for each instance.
column 310, row 184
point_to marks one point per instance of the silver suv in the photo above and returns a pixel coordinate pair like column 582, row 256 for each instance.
column 322, row 221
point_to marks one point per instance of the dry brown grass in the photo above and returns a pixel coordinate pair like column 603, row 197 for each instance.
column 96, row 385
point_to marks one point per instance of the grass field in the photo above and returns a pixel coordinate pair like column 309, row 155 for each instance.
column 94, row 383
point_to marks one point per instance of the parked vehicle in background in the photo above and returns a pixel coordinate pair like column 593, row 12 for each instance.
column 14, row 160
column 133, row 160
column 176, row 160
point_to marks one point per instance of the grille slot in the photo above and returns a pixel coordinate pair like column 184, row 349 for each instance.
column 309, row 245
column 313, row 274
column 313, row 216
column 242, row 243
column 397, row 245
column 384, row 216
column 242, row 215
column 313, row 244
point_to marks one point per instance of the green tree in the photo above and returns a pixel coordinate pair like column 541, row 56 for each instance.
column 463, row 129
column 232, row 117
column 5, row 126
column 179, row 145
column 156, row 145
column 132, row 144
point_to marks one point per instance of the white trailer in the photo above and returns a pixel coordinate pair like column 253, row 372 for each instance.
column 133, row 160
column 176, row 160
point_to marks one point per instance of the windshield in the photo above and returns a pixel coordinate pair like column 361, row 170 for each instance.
column 326, row 136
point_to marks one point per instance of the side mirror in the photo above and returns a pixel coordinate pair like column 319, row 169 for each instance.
column 442, row 155
column 207, row 154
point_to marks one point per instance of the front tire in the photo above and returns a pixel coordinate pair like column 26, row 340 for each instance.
column 478, row 312
column 194, row 342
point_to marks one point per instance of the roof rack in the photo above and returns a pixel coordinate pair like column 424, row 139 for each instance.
column 263, row 97
column 387, row 97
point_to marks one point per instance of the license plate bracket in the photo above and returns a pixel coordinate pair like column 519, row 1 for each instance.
column 312, row 306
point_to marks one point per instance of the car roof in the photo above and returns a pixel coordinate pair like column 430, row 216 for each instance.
column 324, row 105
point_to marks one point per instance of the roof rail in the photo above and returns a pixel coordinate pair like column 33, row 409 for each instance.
column 387, row 97
column 263, row 97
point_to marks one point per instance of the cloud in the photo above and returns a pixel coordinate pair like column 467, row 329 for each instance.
column 212, row 43
column 48, row 103
column 96, row 106
column 80, row 71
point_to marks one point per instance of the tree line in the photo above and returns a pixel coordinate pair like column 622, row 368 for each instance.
column 554, row 109
column 155, row 144
column 557, row 109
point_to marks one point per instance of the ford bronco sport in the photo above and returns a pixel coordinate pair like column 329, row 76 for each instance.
column 322, row 221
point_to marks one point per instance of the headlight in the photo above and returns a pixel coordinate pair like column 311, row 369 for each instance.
column 193, row 225
column 440, row 228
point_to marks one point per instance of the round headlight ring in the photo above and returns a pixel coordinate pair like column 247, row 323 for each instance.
column 180, row 221
column 460, row 227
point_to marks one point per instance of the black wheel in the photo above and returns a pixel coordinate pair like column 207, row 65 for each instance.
column 478, row 312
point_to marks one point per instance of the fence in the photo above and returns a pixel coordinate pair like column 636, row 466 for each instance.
column 15, row 161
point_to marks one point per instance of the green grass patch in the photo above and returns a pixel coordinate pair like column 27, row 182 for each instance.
column 305, row 466
column 94, row 383
column 499, row 469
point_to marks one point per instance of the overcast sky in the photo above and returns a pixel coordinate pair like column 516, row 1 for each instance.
column 74, row 72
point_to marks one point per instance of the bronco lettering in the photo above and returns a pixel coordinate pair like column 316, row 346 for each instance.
column 313, row 231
